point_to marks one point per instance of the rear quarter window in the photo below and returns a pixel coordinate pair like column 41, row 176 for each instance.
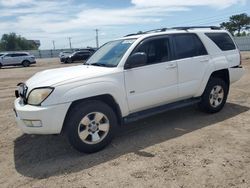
column 222, row 40
column 188, row 45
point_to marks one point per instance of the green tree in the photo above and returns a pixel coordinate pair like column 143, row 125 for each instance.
column 237, row 24
column 14, row 42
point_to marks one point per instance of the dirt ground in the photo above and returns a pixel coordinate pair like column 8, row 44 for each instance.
column 182, row 148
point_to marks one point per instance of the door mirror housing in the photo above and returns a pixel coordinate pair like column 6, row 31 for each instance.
column 136, row 60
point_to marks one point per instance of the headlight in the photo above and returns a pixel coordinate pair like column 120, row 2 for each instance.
column 37, row 96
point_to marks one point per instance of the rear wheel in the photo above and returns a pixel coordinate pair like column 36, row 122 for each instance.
column 26, row 63
column 214, row 96
column 1, row 65
column 91, row 126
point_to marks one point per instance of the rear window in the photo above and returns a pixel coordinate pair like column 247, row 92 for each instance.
column 222, row 40
column 188, row 45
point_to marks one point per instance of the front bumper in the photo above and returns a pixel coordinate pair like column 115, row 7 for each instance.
column 38, row 119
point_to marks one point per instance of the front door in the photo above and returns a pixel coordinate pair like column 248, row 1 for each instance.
column 8, row 59
column 156, row 82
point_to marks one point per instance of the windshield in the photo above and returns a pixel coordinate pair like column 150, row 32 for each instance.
column 110, row 54
column 1, row 55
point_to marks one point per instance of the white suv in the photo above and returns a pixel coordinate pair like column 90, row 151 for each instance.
column 128, row 79
column 16, row 58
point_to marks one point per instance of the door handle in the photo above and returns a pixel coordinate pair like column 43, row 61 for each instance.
column 171, row 66
column 204, row 60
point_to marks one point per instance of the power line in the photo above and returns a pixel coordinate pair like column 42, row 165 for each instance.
column 218, row 16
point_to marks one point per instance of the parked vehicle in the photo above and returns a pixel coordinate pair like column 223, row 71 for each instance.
column 81, row 56
column 16, row 58
column 64, row 54
column 128, row 79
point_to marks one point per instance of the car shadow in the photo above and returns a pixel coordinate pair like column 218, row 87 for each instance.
column 44, row 156
column 16, row 67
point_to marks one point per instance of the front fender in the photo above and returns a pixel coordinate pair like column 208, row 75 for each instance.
column 91, row 90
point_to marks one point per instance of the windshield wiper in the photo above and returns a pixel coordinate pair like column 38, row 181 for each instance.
column 100, row 64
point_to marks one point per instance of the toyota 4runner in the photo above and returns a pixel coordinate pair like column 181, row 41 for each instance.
column 127, row 79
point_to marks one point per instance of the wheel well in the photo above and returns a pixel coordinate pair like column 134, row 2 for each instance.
column 26, row 61
column 222, row 74
column 106, row 98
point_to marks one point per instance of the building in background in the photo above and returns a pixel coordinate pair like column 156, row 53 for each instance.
column 36, row 42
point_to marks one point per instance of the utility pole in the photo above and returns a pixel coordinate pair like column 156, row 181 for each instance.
column 70, row 46
column 97, row 39
column 54, row 46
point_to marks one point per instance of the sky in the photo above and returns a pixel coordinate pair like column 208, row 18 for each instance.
column 57, row 20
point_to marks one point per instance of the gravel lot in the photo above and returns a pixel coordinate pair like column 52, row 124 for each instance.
column 181, row 148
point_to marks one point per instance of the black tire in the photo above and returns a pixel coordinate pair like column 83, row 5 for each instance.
column 26, row 63
column 211, row 107
column 1, row 65
column 74, row 121
column 69, row 60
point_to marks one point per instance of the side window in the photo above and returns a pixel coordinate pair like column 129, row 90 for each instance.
column 23, row 54
column 15, row 55
column 222, row 40
column 157, row 50
column 9, row 55
column 188, row 45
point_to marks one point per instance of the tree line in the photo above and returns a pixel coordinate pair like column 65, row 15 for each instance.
column 238, row 25
column 14, row 42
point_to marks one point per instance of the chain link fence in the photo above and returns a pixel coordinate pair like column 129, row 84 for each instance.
column 242, row 42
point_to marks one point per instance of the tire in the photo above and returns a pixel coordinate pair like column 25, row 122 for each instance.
column 69, row 60
column 1, row 65
column 26, row 63
column 214, row 96
column 90, row 126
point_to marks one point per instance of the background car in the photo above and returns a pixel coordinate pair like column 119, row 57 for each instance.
column 16, row 58
column 79, row 56
column 64, row 54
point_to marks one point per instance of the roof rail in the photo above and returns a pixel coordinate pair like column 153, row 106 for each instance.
column 177, row 28
column 146, row 32
column 156, row 30
column 197, row 27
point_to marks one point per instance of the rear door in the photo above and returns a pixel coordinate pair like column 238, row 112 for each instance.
column 192, row 60
column 16, row 58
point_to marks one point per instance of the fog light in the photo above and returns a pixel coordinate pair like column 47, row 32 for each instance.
column 32, row 123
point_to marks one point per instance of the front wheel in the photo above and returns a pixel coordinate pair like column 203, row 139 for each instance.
column 214, row 96
column 91, row 126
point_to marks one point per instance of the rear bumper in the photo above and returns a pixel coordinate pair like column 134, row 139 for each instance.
column 40, row 120
column 236, row 73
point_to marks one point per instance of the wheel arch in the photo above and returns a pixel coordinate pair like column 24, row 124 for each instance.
column 106, row 98
column 222, row 74
column 25, row 60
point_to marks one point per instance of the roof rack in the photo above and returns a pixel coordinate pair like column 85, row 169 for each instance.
column 197, row 27
column 176, row 28
column 156, row 30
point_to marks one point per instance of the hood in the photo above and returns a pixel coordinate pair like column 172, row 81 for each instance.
column 59, row 76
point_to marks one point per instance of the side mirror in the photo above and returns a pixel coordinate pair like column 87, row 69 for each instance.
column 136, row 60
